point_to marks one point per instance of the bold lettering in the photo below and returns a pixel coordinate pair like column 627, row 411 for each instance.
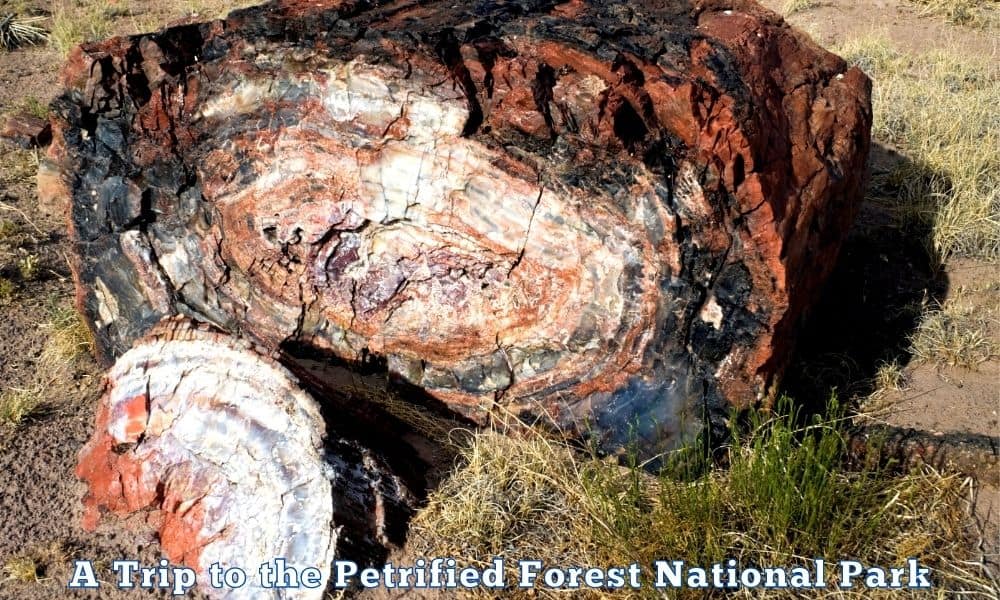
column 215, row 575
column 800, row 578
column 311, row 577
column 344, row 570
column 493, row 575
column 184, row 580
column 919, row 576
column 83, row 576
column 124, row 569
column 875, row 578
column 668, row 574
column 528, row 572
column 849, row 569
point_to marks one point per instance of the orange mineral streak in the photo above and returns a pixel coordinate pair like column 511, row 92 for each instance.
column 115, row 480
column 180, row 531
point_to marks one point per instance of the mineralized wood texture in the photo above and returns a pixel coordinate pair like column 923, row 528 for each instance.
column 235, row 462
column 609, row 214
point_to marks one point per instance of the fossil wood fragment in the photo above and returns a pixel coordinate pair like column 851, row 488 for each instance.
column 603, row 214
column 26, row 131
column 234, row 462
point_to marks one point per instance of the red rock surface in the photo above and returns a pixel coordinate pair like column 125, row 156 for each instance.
column 607, row 216
column 231, row 461
column 26, row 131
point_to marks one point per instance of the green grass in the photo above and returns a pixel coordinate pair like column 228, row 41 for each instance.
column 28, row 267
column 7, row 291
column 76, row 22
column 785, row 497
column 8, row 230
column 35, row 107
column 938, row 109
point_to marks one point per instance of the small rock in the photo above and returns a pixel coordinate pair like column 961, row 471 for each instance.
column 26, row 131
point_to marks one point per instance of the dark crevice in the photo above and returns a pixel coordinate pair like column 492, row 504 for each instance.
column 448, row 49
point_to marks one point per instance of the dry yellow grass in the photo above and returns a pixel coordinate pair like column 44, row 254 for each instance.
column 35, row 564
column 76, row 22
column 21, row 568
column 938, row 109
column 784, row 499
column 8, row 229
column 28, row 267
column 790, row 7
column 16, row 405
column 17, row 166
column 7, row 291
column 68, row 337
column 956, row 334
column 889, row 378
column 976, row 13
column 214, row 9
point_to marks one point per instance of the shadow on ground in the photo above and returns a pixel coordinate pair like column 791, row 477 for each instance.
column 886, row 274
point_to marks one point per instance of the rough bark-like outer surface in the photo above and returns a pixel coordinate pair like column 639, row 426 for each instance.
column 601, row 213
column 234, row 463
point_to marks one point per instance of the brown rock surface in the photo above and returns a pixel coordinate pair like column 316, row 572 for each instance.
column 26, row 131
column 602, row 215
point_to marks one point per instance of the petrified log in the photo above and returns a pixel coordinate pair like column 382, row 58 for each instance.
column 234, row 461
column 597, row 213
column 970, row 454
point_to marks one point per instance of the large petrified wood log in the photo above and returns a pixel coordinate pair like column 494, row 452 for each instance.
column 602, row 213
column 235, row 462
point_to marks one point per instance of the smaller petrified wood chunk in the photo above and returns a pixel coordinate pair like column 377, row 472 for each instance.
column 233, row 460
column 26, row 131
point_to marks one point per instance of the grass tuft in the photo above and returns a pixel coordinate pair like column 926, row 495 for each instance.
column 785, row 497
column 28, row 267
column 974, row 13
column 889, row 377
column 22, row 568
column 207, row 9
column 35, row 565
column 7, row 291
column 16, row 406
column 75, row 23
column 955, row 334
column 794, row 6
column 35, row 107
column 938, row 110
column 68, row 337
column 8, row 230
column 17, row 166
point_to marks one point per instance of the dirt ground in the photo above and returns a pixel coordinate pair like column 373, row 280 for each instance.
column 39, row 497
